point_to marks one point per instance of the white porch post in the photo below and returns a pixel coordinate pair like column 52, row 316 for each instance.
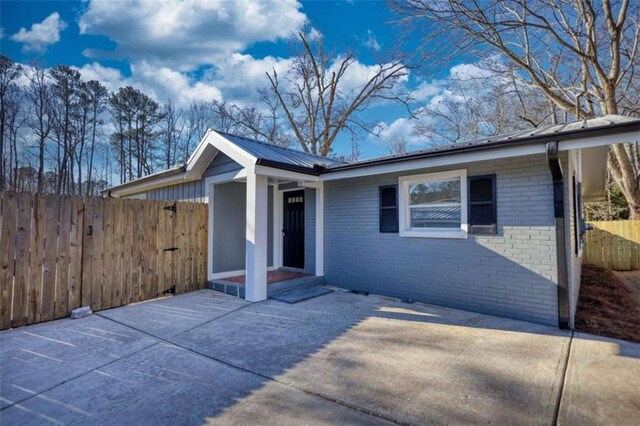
column 256, row 238
column 320, row 229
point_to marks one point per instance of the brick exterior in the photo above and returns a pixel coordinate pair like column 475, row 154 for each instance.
column 511, row 274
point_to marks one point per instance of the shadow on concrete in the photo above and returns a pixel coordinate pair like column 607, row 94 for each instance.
column 339, row 358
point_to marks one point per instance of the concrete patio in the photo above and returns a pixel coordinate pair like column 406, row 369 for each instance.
column 206, row 357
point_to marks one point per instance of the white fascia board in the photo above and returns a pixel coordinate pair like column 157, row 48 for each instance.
column 285, row 174
column 425, row 163
column 237, row 154
column 604, row 140
column 197, row 153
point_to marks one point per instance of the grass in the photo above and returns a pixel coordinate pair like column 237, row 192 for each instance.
column 607, row 306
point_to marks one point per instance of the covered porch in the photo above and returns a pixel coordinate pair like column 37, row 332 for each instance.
column 265, row 225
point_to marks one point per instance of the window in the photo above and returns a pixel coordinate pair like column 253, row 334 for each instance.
column 434, row 205
column 389, row 208
column 482, row 204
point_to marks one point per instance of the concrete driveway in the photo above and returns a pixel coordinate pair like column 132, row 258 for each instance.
column 342, row 358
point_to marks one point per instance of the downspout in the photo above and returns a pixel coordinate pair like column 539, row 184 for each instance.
column 558, row 208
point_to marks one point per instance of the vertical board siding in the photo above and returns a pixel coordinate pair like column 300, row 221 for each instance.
column 58, row 253
column 614, row 245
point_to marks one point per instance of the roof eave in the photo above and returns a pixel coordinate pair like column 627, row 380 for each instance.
column 514, row 143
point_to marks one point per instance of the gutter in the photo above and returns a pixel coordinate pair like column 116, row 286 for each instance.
column 558, row 209
column 316, row 170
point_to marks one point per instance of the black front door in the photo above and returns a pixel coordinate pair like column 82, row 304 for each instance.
column 293, row 230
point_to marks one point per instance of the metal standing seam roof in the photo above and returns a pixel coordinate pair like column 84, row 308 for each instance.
column 281, row 155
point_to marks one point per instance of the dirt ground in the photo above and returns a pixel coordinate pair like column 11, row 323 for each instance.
column 609, row 303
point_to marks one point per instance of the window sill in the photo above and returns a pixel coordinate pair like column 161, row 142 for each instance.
column 434, row 233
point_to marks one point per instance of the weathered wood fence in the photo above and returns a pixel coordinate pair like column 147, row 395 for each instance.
column 58, row 253
column 614, row 245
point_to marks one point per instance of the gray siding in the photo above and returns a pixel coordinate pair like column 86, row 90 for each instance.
column 511, row 274
column 221, row 164
column 188, row 191
column 310, row 230
column 229, row 213
column 229, row 231
column 191, row 191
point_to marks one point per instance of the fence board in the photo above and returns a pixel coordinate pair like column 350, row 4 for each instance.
column 37, row 252
column 62, row 267
column 108, row 255
column 614, row 245
column 21, row 277
column 87, row 252
column 97, row 257
column 117, row 241
column 74, row 297
column 7, row 254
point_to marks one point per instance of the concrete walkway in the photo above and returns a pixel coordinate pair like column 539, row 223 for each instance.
column 342, row 358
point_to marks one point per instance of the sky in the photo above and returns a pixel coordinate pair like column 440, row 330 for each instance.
column 193, row 50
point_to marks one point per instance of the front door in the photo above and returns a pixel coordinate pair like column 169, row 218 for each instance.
column 293, row 230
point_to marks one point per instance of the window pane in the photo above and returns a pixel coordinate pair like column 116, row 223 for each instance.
column 388, row 220
column 436, row 217
column 481, row 189
column 481, row 214
column 435, row 192
column 388, row 196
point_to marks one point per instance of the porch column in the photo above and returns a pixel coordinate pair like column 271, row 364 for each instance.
column 256, row 238
column 320, row 229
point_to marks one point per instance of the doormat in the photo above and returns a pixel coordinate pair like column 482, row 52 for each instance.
column 301, row 294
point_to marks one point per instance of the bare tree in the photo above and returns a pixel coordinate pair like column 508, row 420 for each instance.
column 315, row 100
column 397, row 145
column 580, row 55
column 172, row 128
column 9, row 72
column 484, row 101
column 262, row 122
column 40, row 118
column 98, row 98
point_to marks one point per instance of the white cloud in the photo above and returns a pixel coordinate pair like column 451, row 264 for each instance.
column 161, row 84
column 185, row 34
column 400, row 129
column 371, row 42
column 41, row 35
column 426, row 90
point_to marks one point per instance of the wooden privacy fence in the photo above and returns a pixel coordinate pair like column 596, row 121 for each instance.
column 58, row 253
column 614, row 245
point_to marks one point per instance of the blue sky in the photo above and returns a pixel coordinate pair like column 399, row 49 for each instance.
column 217, row 52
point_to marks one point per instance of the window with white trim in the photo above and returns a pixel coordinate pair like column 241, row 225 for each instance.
column 434, row 205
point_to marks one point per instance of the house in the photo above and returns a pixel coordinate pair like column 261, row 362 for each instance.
column 492, row 226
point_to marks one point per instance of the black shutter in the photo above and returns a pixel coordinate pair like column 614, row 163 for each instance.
column 389, row 208
column 482, row 205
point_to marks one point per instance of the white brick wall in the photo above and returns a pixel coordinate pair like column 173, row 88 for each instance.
column 512, row 274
